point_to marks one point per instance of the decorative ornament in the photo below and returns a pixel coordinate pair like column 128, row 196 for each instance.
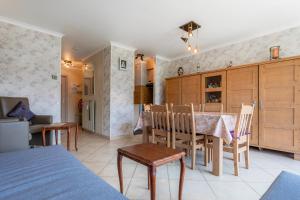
column 180, row 71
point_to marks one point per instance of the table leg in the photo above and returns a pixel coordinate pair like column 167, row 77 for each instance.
column 149, row 181
column 68, row 139
column 145, row 134
column 153, row 182
column 44, row 137
column 120, row 172
column 182, row 171
column 56, row 136
column 76, row 137
column 217, row 156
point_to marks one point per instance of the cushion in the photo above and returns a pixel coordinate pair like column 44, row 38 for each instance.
column 21, row 111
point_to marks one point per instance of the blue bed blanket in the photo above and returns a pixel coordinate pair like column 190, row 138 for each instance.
column 50, row 173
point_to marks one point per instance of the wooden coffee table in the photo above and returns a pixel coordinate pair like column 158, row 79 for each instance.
column 61, row 126
column 152, row 156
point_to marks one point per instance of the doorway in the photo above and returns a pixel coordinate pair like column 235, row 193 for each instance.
column 64, row 98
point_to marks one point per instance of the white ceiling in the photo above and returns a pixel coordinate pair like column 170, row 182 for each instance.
column 151, row 25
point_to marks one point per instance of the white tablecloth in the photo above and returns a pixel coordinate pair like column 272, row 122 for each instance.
column 215, row 124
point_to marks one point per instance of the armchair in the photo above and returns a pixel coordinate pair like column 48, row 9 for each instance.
column 37, row 122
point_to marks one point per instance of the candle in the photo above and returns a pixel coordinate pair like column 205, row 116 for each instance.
column 274, row 52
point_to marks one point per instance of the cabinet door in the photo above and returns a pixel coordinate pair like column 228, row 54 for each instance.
column 214, row 84
column 279, row 115
column 242, row 87
column 190, row 90
column 173, row 91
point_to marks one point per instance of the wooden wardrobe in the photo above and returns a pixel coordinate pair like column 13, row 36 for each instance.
column 274, row 87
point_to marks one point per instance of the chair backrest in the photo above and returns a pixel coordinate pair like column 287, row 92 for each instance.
column 147, row 107
column 244, row 121
column 160, row 117
column 220, row 108
column 197, row 107
column 183, row 119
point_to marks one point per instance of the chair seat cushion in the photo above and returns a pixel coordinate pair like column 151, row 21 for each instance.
column 285, row 186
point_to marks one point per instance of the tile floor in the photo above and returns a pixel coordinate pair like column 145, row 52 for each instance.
column 99, row 155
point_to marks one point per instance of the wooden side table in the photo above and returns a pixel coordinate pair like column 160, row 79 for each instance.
column 61, row 126
column 152, row 156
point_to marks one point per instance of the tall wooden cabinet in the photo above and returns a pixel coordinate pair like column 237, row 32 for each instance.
column 173, row 91
column 273, row 85
column 190, row 89
column 279, row 94
column 242, row 87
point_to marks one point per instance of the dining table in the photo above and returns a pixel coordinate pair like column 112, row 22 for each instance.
column 216, row 124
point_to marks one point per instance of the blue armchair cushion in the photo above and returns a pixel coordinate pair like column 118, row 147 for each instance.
column 21, row 111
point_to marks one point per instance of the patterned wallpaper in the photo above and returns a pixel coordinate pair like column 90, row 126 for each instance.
column 28, row 59
column 251, row 51
column 121, row 93
column 254, row 50
column 162, row 71
column 106, row 91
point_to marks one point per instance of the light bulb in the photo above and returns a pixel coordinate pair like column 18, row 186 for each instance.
column 189, row 47
column 195, row 50
column 190, row 34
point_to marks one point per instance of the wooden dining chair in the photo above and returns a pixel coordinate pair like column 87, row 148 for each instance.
column 197, row 107
column 209, row 138
column 183, row 130
column 147, row 107
column 160, row 124
column 240, row 137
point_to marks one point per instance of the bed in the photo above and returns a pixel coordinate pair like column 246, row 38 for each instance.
column 50, row 173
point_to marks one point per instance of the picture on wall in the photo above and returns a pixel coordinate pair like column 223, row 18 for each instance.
column 122, row 64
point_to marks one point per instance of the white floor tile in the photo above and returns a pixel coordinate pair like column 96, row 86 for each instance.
column 100, row 156
column 111, row 170
column 114, row 181
column 233, row 190
column 138, row 189
column 192, row 190
column 260, row 187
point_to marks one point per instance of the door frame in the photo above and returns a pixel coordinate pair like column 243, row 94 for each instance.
column 66, row 98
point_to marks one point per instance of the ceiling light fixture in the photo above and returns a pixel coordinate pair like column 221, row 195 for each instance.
column 86, row 67
column 68, row 63
column 188, row 38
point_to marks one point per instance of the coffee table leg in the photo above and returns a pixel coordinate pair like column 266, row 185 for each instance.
column 120, row 172
column 182, row 172
column 76, row 137
column 44, row 137
column 68, row 139
column 56, row 136
column 153, row 182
